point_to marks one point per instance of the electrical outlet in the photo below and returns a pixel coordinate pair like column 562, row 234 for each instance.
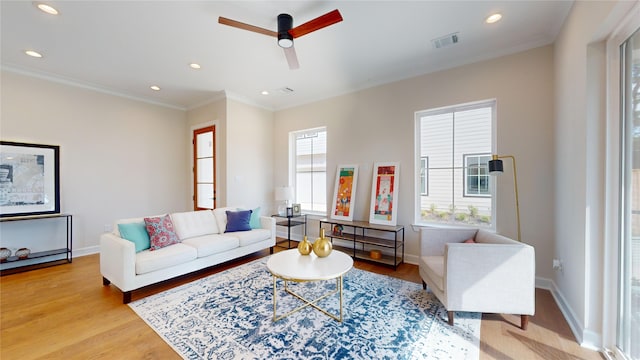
column 557, row 264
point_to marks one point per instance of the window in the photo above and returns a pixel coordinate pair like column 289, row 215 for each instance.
column 424, row 177
column 453, row 149
column 310, row 167
column 476, row 175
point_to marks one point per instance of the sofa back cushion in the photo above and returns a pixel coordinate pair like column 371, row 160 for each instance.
column 194, row 223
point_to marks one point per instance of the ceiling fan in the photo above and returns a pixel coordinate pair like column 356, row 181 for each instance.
column 286, row 32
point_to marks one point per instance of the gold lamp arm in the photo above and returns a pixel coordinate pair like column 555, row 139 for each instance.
column 515, row 186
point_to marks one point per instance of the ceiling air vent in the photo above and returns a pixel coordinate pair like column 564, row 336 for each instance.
column 286, row 90
column 445, row 40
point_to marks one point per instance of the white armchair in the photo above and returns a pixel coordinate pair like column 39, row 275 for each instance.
column 494, row 274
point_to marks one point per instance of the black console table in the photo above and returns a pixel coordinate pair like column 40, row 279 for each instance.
column 290, row 222
column 366, row 240
column 41, row 258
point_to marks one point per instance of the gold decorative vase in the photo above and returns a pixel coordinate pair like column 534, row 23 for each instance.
column 322, row 246
column 305, row 247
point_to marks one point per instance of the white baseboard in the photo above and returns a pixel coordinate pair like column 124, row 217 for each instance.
column 86, row 251
column 586, row 338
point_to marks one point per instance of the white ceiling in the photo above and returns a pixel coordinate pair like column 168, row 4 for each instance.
column 123, row 47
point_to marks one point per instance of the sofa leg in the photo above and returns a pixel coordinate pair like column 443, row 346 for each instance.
column 524, row 321
column 450, row 316
column 105, row 281
column 126, row 297
column 424, row 285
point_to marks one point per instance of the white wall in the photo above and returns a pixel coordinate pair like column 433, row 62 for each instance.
column 119, row 158
column 377, row 124
column 249, row 155
column 580, row 163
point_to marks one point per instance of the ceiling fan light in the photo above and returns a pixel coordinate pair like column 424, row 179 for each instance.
column 285, row 42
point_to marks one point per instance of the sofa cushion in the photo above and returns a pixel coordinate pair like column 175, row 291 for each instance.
column 161, row 232
column 212, row 244
column 238, row 221
column 251, row 237
column 255, row 218
column 135, row 232
column 434, row 267
column 221, row 217
column 194, row 223
column 176, row 254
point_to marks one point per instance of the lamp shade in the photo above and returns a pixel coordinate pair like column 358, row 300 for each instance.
column 284, row 193
column 495, row 166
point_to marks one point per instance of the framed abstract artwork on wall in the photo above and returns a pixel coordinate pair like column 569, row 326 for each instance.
column 29, row 179
column 345, row 192
column 384, row 193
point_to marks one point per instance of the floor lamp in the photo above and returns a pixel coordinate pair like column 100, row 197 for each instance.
column 496, row 168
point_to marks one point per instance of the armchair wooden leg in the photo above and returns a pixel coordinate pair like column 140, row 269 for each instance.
column 271, row 250
column 424, row 285
column 450, row 316
column 105, row 281
column 524, row 321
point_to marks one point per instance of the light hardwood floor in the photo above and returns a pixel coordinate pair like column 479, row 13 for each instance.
column 64, row 312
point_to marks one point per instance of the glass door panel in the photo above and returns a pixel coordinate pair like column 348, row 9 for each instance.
column 204, row 168
column 628, row 333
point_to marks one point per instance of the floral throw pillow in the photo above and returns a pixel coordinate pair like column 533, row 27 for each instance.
column 161, row 232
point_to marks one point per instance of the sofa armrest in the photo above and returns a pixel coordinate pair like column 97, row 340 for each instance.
column 433, row 240
column 269, row 223
column 496, row 278
column 118, row 261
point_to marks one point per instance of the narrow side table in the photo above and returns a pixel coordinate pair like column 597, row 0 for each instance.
column 290, row 222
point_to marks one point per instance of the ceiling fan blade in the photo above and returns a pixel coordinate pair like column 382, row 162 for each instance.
column 292, row 58
column 243, row 26
column 318, row 23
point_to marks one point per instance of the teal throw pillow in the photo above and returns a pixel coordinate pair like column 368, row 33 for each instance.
column 238, row 220
column 255, row 219
column 137, row 234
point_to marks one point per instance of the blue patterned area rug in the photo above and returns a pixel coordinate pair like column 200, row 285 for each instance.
column 229, row 315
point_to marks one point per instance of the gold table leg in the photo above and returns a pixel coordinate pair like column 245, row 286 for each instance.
column 307, row 302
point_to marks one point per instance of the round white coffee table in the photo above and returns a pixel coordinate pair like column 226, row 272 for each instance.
column 289, row 265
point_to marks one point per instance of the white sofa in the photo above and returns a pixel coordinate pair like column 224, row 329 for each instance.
column 203, row 243
column 492, row 274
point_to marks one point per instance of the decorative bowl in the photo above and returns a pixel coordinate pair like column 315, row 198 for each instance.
column 23, row 253
column 375, row 254
column 4, row 254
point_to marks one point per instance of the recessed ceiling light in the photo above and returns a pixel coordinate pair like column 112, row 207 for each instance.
column 46, row 8
column 264, row 92
column 194, row 66
column 493, row 18
column 33, row 53
column 155, row 87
